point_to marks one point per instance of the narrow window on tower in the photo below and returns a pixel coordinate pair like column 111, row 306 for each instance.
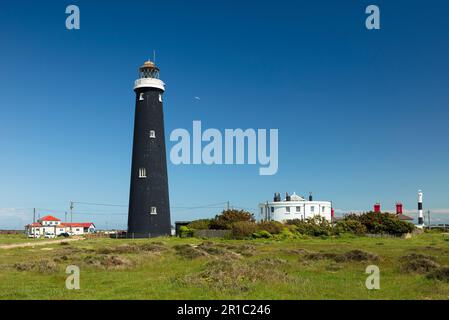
column 160, row 97
column 153, row 210
column 152, row 134
column 141, row 96
column 142, row 173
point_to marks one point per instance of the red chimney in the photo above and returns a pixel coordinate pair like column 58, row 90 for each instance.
column 332, row 212
column 377, row 208
column 398, row 208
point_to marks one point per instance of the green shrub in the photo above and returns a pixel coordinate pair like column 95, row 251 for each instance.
column 350, row 226
column 273, row 227
column 262, row 234
column 201, row 224
column 185, row 232
column 316, row 226
column 227, row 218
column 286, row 233
column 243, row 229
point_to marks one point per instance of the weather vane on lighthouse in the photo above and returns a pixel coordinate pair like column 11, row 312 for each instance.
column 149, row 205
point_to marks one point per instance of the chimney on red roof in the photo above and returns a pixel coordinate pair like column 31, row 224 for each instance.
column 398, row 208
column 377, row 208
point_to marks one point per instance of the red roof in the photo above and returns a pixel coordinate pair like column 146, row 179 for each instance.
column 34, row 224
column 77, row 224
column 49, row 218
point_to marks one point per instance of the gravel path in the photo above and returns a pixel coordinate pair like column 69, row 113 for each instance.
column 37, row 243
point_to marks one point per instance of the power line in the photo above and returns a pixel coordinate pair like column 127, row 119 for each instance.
column 100, row 214
column 100, row 204
column 51, row 210
column 203, row 206
column 213, row 205
column 219, row 205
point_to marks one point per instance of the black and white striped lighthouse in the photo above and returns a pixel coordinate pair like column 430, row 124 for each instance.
column 420, row 213
column 149, row 206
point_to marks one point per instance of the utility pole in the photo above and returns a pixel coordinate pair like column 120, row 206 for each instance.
column 71, row 211
column 267, row 212
column 34, row 215
column 65, row 216
column 428, row 216
column 228, row 204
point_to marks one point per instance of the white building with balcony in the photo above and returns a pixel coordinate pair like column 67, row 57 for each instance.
column 294, row 207
column 51, row 227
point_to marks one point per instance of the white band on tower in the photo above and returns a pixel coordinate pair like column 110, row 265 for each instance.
column 149, row 83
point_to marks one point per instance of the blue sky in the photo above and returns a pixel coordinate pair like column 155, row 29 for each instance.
column 362, row 115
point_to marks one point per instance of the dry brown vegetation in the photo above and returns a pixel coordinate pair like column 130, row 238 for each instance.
column 353, row 255
column 441, row 274
column 238, row 275
column 418, row 263
column 43, row 266
column 108, row 261
column 208, row 249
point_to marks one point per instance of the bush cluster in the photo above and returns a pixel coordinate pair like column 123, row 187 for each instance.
column 202, row 224
column 316, row 226
column 350, row 226
column 377, row 223
column 227, row 218
column 241, row 223
column 243, row 229
column 243, row 226
column 185, row 232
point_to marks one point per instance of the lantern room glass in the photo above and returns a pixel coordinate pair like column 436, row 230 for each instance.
column 149, row 72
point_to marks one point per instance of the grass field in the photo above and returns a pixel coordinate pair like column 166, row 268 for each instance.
column 17, row 238
column 173, row 268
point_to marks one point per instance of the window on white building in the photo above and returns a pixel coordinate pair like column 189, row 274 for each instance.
column 298, row 209
column 153, row 210
column 287, row 209
column 323, row 209
column 312, row 209
column 142, row 173
column 141, row 96
column 272, row 209
column 152, row 134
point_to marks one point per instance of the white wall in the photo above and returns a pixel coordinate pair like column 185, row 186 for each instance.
column 307, row 209
column 56, row 230
column 75, row 230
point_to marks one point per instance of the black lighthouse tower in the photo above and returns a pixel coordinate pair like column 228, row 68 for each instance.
column 149, row 206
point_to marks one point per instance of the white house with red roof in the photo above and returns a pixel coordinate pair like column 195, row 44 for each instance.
column 51, row 227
